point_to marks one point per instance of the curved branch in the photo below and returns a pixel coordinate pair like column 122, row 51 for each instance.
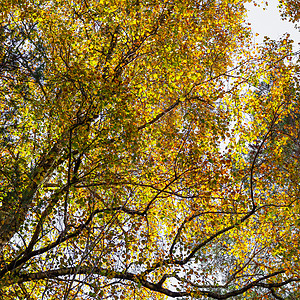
column 138, row 279
column 258, row 152
column 28, row 253
column 53, row 274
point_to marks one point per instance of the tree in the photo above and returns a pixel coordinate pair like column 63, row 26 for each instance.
column 290, row 10
column 134, row 161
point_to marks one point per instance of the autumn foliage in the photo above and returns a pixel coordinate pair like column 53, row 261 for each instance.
column 147, row 149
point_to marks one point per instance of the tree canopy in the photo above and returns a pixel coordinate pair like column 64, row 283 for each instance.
column 148, row 150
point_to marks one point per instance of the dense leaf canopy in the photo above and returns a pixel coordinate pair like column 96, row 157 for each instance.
column 148, row 149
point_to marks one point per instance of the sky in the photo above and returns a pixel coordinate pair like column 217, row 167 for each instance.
column 268, row 22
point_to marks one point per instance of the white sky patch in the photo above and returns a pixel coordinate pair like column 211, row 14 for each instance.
column 268, row 23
